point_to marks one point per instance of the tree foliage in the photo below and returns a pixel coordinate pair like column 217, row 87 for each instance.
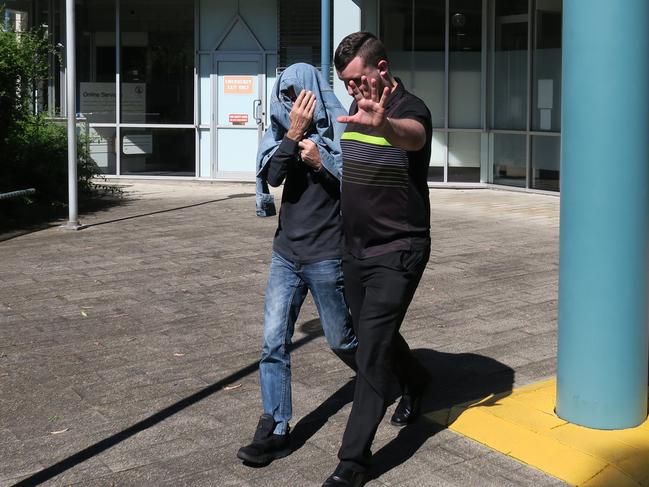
column 33, row 149
column 23, row 66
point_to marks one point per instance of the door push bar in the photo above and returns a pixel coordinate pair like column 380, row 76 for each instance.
column 256, row 111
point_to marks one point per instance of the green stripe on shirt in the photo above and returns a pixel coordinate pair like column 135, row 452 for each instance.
column 368, row 139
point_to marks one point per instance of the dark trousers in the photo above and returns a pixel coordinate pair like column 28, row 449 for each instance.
column 378, row 291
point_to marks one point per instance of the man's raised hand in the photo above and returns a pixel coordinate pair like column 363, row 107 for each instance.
column 371, row 106
column 310, row 154
column 301, row 115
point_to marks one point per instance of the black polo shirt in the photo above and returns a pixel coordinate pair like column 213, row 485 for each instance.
column 385, row 203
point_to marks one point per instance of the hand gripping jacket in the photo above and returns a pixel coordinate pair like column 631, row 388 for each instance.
column 325, row 130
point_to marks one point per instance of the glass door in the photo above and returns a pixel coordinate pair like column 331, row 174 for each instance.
column 238, row 113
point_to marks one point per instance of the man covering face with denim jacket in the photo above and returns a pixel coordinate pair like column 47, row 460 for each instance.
column 302, row 150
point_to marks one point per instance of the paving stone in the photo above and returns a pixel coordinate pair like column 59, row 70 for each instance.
column 470, row 473
column 209, row 478
column 131, row 454
column 14, row 466
column 92, row 468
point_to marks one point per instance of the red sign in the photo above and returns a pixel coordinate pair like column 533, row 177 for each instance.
column 238, row 118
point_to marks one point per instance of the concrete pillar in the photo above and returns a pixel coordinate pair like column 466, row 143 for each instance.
column 602, row 362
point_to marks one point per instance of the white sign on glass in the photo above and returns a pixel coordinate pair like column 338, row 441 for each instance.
column 97, row 101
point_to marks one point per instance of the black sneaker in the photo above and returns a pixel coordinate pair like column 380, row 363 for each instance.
column 265, row 446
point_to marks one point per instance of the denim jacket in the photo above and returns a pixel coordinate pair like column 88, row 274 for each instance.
column 325, row 132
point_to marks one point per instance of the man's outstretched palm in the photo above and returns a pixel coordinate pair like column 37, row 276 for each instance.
column 371, row 108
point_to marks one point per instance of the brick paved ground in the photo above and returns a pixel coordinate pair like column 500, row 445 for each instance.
column 128, row 350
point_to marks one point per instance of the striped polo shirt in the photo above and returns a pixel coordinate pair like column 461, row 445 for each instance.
column 384, row 203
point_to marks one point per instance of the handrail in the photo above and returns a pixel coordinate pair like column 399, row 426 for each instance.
column 14, row 194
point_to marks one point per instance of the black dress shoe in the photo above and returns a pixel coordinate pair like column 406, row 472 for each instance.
column 407, row 411
column 265, row 446
column 344, row 477
column 409, row 407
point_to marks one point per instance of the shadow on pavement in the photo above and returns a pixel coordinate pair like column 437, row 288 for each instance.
column 18, row 219
column 316, row 419
column 456, row 379
column 168, row 210
column 18, row 225
column 312, row 332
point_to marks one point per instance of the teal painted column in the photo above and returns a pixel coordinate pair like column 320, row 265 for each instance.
column 325, row 38
column 602, row 362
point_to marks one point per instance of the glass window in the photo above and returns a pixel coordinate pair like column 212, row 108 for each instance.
column 429, row 26
column 157, row 62
column 546, row 157
column 546, row 85
column 370, row 16
column 437, row 157
column 413, row 34
column 509, row 160
column 163, row 152
column 15, row 15
column 428, row 57
column 48, row 15
column 96, row 60
column 464, row 157
column 510, row 65
column 396, row 25
column 465, row 60
column 101, row 144
column 299, row 32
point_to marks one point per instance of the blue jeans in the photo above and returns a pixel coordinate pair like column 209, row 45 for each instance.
column 288, row 284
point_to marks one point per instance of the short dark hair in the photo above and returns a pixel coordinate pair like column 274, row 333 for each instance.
column 359, row 44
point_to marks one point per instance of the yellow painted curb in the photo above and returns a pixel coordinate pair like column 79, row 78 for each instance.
column 524, row 426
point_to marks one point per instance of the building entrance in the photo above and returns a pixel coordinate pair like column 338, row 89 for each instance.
column 238, row 113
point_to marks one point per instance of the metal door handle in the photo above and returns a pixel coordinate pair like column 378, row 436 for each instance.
column 256, row 111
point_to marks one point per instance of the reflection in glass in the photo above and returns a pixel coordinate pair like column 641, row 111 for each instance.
column 96, row 60
column 157, row 61
column 465, row 63
column 428, row 57
column 510, row 65
column 546, row 85
column 546, row 157
column 509, row 160
column 413, row 34
column 50, row 14
column 163, row 152
column 464, row 157
column 101, row 145
column 15, row 15
column 396, row 28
